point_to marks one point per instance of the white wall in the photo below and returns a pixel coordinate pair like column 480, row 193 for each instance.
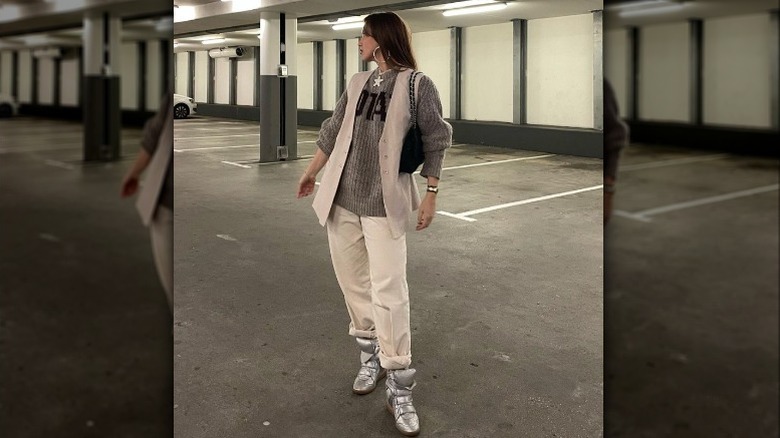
column 245, row 88
column 45, row 81
column 560, row 71
column 305, row 54
column 25, row 76
column 329, row 96
column 6, row 72
column 616, row 46
column 487, row 73
column 664, row 66
column 182, row 72
column 154, row 87
column 69, row 81
column 736, row 80
column 222, row 80
column 201, row 84
column 128, row 78
column 432, row 52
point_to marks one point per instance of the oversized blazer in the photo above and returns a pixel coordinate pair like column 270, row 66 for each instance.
column 399, row 190
column 148, row 198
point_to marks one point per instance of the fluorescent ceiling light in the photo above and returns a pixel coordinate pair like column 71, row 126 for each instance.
column 356, row 25
column 636, row 4
column 474, row 10
column 466, row 4
column 653, row 8
column 213, row 41
column 183, row 13
column 352, row 19
column 10, row 12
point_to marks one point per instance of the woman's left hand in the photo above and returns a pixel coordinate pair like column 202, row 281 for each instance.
column 427, row 211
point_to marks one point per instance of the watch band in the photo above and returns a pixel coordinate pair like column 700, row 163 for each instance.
column 432, row 189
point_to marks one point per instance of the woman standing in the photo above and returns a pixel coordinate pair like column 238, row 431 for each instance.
column 364, row 202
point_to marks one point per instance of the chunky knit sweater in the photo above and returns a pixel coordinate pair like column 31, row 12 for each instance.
column 360, row 189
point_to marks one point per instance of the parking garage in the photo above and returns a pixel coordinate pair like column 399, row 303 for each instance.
column 507, row 286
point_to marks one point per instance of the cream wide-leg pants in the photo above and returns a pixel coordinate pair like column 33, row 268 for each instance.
column 370, row 267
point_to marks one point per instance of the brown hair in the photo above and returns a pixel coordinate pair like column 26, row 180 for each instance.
column 394, row 38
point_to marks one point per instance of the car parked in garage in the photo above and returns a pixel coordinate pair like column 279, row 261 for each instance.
column 183, row 106
column 8, row 106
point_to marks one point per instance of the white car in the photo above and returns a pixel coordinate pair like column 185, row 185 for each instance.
column 183, row 106
column 8, row 107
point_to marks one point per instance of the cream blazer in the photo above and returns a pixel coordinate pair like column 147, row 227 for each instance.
column 399, row 190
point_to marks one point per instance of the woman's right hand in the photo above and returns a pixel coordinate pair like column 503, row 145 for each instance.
column 306, row 185
column 129, row 186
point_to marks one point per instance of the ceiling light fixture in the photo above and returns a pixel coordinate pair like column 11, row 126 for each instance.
column 352, row 19
column 213, row 41
column 474, row 10
column 355, row 25
column 651, row 8
column 467, row 3
column 183, row 13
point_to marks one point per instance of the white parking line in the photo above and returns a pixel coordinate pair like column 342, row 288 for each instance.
column 217, row 147
column 708, row 200
column 456, row 216
column 633, row 216
column 654, row 164
column 60, row 164
column 488, row 163
column 215, row 136
column 237, row 164
column 465, row 215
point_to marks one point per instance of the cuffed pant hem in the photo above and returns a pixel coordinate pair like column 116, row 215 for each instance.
column 368, row 334
column 395, row 362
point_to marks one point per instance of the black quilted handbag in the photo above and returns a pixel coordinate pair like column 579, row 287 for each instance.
column 412, row 153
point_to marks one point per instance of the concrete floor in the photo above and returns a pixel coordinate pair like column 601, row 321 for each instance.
column 85, row 341
column 692, row 296
column 507, row 311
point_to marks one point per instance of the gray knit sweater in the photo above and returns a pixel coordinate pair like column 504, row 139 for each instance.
column 360, row 187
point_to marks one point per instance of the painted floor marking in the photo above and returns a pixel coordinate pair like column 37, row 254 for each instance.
column 675, row 162
column 465, row 215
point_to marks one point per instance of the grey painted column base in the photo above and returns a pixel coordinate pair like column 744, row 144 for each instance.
column 278, row 133
column 102, row 118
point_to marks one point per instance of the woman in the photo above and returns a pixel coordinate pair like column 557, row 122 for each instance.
column 155, row 202
column 364, row 202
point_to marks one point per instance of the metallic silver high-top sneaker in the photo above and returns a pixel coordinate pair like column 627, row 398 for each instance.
column 371, row 371
column 399, row 386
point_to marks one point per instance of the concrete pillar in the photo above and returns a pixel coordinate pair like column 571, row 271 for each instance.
column 598, row 70
column 101, row 91
column 278, row 88
column 456, row 53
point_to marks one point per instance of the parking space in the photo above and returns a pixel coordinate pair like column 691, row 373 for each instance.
column 692, row 303
column 506, row 310
column 85, row 321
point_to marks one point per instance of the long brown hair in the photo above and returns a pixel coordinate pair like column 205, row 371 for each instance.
column 394, row 38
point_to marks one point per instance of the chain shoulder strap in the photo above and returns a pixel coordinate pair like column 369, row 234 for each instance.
column 412, row 100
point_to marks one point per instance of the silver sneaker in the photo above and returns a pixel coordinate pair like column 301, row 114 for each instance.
column 399, row 386
column 371, row 371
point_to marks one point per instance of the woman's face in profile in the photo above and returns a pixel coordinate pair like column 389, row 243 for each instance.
column 366, row 45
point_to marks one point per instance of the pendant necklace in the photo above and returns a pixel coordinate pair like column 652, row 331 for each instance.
column 378, row 80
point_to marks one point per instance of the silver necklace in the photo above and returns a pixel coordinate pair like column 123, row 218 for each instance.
column 378, row 80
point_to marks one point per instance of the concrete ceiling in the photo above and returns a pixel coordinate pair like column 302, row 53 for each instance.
column 35, row 16
column 624, row 13
column 214, row 18
column 37, row 23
